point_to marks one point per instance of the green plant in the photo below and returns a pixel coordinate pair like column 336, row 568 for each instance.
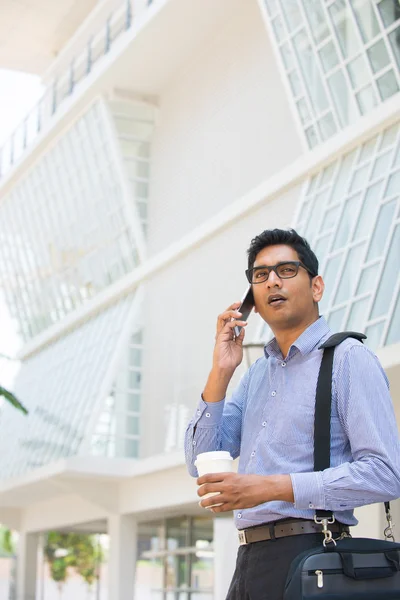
column 9, row 396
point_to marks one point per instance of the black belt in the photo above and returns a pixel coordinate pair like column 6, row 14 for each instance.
column 284, row 528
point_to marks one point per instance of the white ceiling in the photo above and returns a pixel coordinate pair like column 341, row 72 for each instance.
column 32, row 32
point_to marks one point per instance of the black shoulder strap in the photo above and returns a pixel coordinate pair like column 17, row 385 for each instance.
column 323, row 403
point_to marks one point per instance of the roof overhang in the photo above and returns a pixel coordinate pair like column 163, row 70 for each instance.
column 32, row 32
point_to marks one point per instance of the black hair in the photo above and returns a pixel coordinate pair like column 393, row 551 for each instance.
column 287, row 237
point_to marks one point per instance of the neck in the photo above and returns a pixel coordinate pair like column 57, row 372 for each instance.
column 286, row 337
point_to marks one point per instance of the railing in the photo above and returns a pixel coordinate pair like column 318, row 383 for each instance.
column 79, row 68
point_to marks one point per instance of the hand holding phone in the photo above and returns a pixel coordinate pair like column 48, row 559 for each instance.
column 246, row 306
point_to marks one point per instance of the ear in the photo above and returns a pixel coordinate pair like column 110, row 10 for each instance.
column 318, row 287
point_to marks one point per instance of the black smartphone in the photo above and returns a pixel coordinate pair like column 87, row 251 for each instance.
column 245, row 308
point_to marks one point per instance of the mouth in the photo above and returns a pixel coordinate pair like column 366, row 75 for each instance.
column 276, row 300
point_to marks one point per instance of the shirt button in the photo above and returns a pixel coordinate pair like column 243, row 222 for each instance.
column 283, row 364
column 198, row 412
column 253, row 454
column 311, row 505
column 208, row 415
column 194, row 442
column 264, row 423
column 273, row 393
column 239, row 515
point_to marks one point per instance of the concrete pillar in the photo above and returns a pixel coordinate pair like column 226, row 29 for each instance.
column 122, row 531
column 27, row 557
column 225, row 552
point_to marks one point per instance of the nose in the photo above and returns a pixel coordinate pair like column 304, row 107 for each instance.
column 273, row 280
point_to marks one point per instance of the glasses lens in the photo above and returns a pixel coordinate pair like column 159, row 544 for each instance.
column 259, row 275
column 287, row 270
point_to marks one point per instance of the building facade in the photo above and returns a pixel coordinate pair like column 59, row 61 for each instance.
column 170, row 133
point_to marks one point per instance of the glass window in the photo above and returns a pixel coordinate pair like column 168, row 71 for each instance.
column 292, row 14
column 394, row 39
column 379, row 237
column 378, row 56
column 287, row 56
column 357, row 315
column 366, row 99
column 310, row 71
column 335, row 320
column 318, row 23
column 366, row 19
column 381, row 165
column 344, row 26
column 387, row 85
column 331, row 275
column 374, row 335
column 389, row 277
column 340, row 95
column 393, row 335
column 347, row 221
column 328, row 56
column 389, row 12
column 359, row 71
column 393, row 185
column 368, row 279
column 369, row 208
column 350, row 274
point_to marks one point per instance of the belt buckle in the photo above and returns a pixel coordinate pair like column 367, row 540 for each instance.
column 242, row 537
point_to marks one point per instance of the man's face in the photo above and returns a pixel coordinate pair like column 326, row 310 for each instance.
column 286, row 303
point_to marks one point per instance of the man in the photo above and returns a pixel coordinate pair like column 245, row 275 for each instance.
column 269, row 422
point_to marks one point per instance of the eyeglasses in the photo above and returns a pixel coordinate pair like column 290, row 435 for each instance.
column 284, row 270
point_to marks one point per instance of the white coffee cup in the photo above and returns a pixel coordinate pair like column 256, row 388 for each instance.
column 218, row 461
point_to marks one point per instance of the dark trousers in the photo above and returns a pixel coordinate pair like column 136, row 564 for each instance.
column 262, row 567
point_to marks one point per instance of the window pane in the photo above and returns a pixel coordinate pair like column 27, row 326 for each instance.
column 393, row 186
column 366, row 219
column 132, row 425
column 328, row 56
column 278, row 28
column 332, row 273
column 366, row 18
column 344, row 26
column 287, row 56
column 350, row 274
column 394, row 329
column 389, row 12
column 134, row 379
column 318, row 24
column 366, row 99
column 387, row 85
column 303, row 111
column 381, row 231
column 311, row 136
column 394, row 39
column 346, row 221
column 327, row 126
column 359, row 72
column 368, row 279
column 357, row 316
column 310, row 70
column 389, row 278
column 340, row 95
column 178, row 533
column 335, row 320
column 133, row 402
column 378, row 56
column 292, row 14
column 295, row 84
column 374, row 335
column 381, row 165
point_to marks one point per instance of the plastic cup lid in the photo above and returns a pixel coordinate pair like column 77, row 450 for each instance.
column 216, row 455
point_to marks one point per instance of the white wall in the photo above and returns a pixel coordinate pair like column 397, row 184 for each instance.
column 224, row 126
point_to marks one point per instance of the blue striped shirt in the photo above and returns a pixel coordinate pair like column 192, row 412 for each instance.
column 269, row 423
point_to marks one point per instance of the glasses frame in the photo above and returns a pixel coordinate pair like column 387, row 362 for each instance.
column 296, row 263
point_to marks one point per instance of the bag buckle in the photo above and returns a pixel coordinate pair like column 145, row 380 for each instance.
column 242, row 537
column 388, row 532
column 324, row 522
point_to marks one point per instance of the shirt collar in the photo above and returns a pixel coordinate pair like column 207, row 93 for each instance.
column 307, row 341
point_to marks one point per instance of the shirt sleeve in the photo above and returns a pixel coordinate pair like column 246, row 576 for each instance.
column 216, row 426
column 367, row 416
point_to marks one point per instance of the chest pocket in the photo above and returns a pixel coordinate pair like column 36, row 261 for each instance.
column 293, row 424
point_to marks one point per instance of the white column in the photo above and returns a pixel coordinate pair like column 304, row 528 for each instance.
column 370, row 521
column 225, row 552
column 122, row 530
column 27, row 557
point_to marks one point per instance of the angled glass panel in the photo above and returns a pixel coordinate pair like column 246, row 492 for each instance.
column 379, row 237
column 389, row 278
column 374, row 335
column 393, row 335
column 350, row 274
column 357, row 315
column 62, row 386
column 335, row 319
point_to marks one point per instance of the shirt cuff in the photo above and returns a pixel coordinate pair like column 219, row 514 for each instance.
column 308, row 490
column 209, row 414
